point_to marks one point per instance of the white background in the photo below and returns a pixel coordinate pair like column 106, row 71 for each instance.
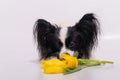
column 18, row 55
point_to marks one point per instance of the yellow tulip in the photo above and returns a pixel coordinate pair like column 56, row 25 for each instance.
column 54, row 65
column 70, row 61
column 51, row 62
column 53, row 70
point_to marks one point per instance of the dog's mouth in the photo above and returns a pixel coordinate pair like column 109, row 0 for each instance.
column 58, row 55
column 75, row 54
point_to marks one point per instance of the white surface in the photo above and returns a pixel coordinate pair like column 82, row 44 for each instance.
column 29, row 69
column 18, row 56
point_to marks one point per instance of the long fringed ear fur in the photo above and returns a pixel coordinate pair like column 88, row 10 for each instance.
column 41, row 31
column 88, row 27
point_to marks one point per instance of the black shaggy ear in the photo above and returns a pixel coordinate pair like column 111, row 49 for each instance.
column 88, row 27
column 44, row 32
column 42, row 27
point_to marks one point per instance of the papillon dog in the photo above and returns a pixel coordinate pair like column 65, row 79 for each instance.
column 77, row 40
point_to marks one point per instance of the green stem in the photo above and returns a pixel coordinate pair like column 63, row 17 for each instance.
column 109, row 62
column 84, row 63
column 87, row 62
column 69, row 71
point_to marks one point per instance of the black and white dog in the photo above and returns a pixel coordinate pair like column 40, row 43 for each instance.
column 77, row 40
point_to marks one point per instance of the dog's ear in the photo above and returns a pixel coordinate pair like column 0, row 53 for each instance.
column 88, row 27
column 42, row 27
column 41, row 31
column 88, row 22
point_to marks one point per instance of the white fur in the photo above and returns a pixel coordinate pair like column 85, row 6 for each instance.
column 63, row 35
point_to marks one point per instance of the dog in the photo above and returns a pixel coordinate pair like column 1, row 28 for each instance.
column 77, row 40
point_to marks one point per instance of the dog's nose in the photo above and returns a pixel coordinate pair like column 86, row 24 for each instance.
column 65, row 53
column 65, row 50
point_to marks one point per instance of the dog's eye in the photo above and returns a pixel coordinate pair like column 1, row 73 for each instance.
column 72, row 44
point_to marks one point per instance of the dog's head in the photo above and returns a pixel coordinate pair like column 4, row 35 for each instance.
column 79, row 39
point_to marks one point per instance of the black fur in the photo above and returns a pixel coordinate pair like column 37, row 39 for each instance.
column 81, row 37
column 46, row 35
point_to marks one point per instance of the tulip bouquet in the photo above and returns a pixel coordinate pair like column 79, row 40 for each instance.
column 68, row 64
